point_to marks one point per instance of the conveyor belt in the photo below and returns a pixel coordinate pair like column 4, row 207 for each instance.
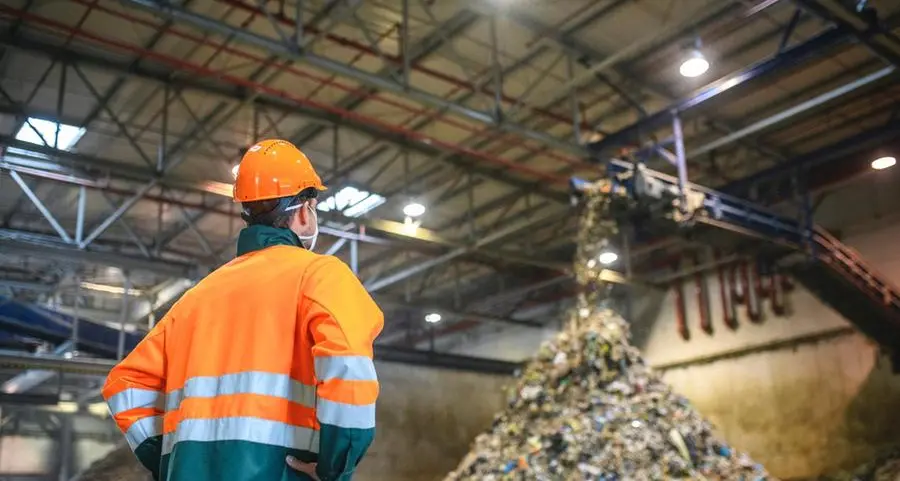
column 832, row 271
column 28, row 321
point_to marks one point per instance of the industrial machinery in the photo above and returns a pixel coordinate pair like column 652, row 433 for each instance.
column 830, row 270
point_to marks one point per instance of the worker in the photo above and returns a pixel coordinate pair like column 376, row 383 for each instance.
column 263, row 370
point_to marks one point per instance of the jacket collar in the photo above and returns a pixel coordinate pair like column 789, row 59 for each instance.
column 258, row 237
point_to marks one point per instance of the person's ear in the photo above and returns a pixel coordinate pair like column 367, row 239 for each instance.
column 303, row 212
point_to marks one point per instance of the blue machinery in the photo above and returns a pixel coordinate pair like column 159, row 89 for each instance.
column 827, row 268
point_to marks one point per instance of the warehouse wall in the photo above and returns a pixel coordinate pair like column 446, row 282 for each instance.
column 427, row 419
column 33, row 452
column 803, row 393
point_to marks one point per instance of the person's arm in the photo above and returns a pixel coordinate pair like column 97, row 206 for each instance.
column 344, row 322
column 135, row 394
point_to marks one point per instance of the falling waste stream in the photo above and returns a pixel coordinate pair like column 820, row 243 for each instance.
column 587, row 407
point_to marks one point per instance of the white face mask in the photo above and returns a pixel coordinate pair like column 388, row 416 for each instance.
column 308, row 241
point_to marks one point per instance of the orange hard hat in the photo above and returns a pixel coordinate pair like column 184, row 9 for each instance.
column 272, row 169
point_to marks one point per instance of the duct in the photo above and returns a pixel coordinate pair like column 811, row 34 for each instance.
column 169, row 11
column 795, row 110
column 791, row 57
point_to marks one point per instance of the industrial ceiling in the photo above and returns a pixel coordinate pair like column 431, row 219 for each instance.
column 121, row 123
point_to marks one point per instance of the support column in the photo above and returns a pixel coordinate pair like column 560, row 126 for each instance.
column 66, row 448
column 680, row 160
column 120, row 352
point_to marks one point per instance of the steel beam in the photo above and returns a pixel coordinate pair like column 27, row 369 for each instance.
column 878, row 41
column 445, row 361
column 474, row 316
column 792, row 57
column 101, row 367
column 470, row 160
column 285, row 51
column 117, row 214
column 41, row 207
column 12, row 242
column 455, row 253
column 421, row 236
column 424, row 47
column 795, row 110
column 27, row 380
column 818, row 158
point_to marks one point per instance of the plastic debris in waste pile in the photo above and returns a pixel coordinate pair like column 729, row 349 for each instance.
column 587, row 407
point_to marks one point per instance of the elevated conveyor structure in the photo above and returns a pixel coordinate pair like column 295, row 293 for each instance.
column 23, row 325
column 24, row 322
column 830, row 270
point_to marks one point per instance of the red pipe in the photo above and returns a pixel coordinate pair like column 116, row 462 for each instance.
column 787, row 283
column 760, row 282
column 396, row 60
column 738, row 288
column 703, row 300
column 753, row 307
column 729, row 316
column 779, row 306
column 680, row 309
column 206, row 72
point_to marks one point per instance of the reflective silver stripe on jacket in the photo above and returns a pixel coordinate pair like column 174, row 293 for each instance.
column 134, row 398
column 252, row 382
column 243, row 429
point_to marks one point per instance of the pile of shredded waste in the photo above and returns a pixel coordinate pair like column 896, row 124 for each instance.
column 119, row 465
column 587, row 407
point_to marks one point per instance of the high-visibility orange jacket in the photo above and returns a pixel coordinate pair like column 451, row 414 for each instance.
column 269, row 355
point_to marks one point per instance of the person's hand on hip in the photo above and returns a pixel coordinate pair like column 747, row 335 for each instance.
column 307, row 468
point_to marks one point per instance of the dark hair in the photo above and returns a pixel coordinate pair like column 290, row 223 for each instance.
column 272, row 212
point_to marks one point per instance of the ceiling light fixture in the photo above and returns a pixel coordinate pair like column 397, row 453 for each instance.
column 414, row 209
column 607, row 258
column 433, row 318
column 882, row 163
column 694, row 65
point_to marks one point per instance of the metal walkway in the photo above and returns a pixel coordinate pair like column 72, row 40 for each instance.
column 832, row 271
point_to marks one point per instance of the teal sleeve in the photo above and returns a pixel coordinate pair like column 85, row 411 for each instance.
column 149, row 453
column 341, row 450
